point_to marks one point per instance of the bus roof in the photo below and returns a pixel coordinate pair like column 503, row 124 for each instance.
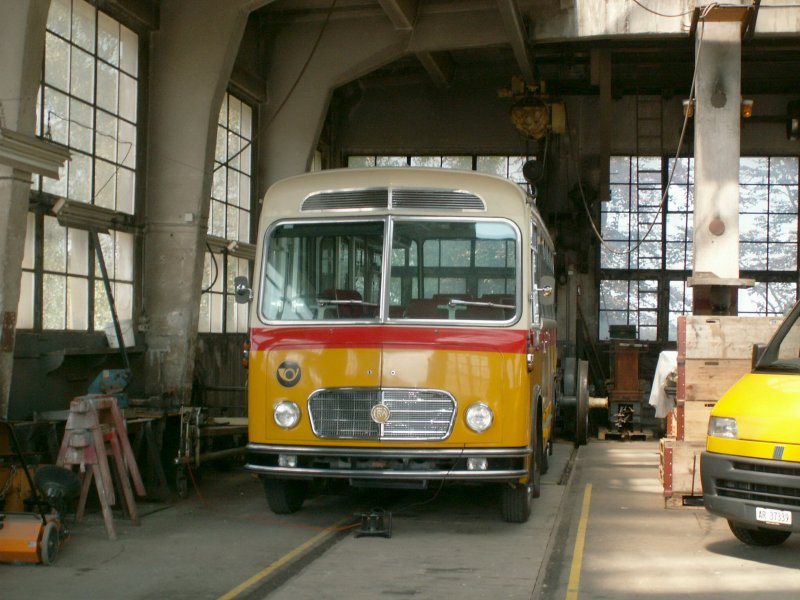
column 500, row 196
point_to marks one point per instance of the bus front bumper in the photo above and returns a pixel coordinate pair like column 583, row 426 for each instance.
column 389, row 464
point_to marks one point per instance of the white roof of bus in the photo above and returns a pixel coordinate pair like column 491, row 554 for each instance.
column 503, row 197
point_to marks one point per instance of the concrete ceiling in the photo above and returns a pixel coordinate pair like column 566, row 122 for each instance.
column 660, row 64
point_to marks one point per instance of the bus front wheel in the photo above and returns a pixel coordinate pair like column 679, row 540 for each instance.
column 284, row 496
column 516, row 502
column 517, row 498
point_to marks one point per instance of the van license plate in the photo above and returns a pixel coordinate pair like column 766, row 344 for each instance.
column 771, row 515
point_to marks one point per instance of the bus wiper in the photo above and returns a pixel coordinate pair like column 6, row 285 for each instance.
column 352, row 302
column 456, row 302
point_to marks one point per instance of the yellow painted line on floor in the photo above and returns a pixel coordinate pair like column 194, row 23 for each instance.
column 286, row 558
column 577, row 556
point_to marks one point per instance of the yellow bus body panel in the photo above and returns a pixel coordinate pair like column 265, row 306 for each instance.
column 498, row 379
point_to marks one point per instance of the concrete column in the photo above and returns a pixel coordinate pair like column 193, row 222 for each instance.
column 191, row 61
column 22, row 34
column 293, row 119
column 717, row 131
column 716, row 169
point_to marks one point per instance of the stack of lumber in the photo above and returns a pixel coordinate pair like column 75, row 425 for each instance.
column 713, row 354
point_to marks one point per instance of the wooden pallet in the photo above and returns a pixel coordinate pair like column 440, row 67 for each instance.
column 638, row 435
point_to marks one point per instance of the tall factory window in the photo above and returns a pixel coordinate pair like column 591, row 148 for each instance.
column 509, row 167
column 768, row 247
column 642, row 279
column 229, row 220
column 88, row 102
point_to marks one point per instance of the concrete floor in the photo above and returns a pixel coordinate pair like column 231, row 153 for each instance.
column 226, row 544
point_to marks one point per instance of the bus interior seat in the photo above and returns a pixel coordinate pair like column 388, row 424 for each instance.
column 425, row 308
column 445, row 298
column 507, row 300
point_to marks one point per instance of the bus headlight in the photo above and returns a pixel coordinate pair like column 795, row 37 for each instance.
column 723, row 427
column 286, row 414
column 479, row 417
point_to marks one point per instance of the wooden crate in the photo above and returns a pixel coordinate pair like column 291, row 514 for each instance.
column 706, row 380
column 679, row 469
column 692, row 424
column 723, row 338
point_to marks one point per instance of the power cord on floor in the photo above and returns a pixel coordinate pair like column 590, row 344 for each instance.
column 264, row 520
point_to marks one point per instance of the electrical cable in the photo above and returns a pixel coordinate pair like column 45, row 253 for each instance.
column 665, row 194
column 658, row 14
column 228, row 515
column 291, row 89
column 216, row 271
column 439, row 489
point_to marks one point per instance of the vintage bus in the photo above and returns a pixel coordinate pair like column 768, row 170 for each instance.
column 402, row 334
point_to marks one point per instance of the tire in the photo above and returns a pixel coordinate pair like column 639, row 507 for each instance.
column 544, row 448
column 284, row 496
column 582, row 404
column 760, row 536
column 516, row 502
column 516, row 499
column 50, row 544
column 538, row 464
column 546, row 460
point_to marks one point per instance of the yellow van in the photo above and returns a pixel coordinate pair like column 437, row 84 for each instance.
column 751, row 466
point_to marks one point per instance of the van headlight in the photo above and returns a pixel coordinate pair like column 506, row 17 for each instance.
column 723, row 427
column 286, row 414
column 479, row 417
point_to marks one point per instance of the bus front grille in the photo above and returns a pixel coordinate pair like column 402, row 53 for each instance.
column 347, row 414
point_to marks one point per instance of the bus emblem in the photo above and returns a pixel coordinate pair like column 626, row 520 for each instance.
column 380, row 413
column 288, row 373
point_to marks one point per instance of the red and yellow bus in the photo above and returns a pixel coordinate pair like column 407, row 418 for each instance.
column 402, row 333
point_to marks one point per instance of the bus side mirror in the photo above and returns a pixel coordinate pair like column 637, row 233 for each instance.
column 547, row 290
column 757, row 353
column 241, row 290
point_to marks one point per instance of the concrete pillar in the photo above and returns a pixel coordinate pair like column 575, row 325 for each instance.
column 191, row 61
column 293, row 120
column 22, row 35
column 715, row 276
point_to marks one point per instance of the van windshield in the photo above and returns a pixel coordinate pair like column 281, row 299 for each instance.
column 783, row 352
column 438, row 269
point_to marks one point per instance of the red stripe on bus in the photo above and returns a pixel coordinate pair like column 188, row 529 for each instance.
column 441, row 338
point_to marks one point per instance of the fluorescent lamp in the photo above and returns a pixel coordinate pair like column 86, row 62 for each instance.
column 231, row 247
column 88, row 216
column 31, row 154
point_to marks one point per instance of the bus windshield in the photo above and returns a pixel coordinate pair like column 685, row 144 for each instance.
column 439, row 269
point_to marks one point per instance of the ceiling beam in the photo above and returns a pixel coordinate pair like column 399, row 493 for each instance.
column 517, row 36
column 402, row 13
column 440, row 67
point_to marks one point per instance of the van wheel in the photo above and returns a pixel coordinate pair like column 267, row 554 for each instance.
column 760, row 536
column 284, row 496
